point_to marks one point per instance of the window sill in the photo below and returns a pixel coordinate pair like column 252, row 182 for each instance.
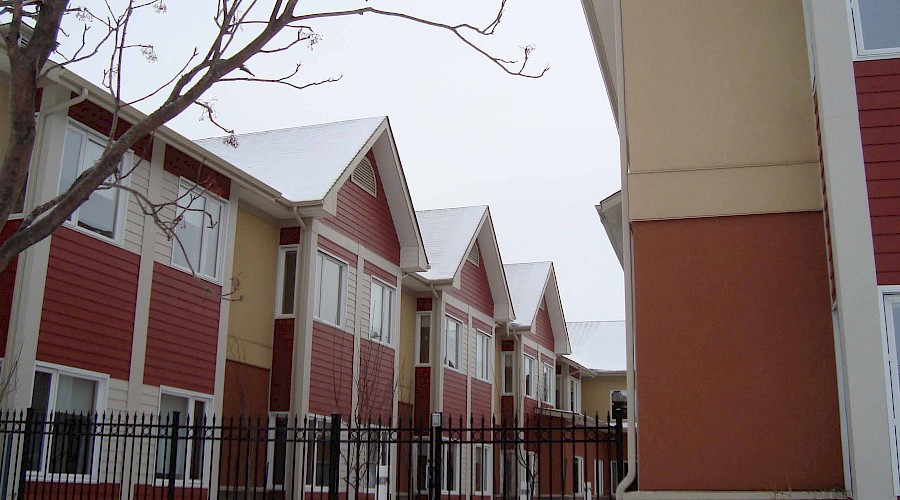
column 457, row 370
column 486, row 381
column 389, row 345
column 87, row 232
column 876, row 56
column 330, row 324
column 214, row 281
column 285, row 316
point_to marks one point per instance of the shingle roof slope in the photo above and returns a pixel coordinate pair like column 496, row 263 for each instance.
column 526, row 287
column 303, row 163
column 446, row 234
column 598, row 345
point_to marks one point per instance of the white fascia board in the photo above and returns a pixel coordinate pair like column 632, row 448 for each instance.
column 610, row 212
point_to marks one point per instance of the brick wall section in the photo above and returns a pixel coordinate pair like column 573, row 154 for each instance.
column 366, row 218
column 183, row 331
column 282, row 361
column 89, row 303
column 331, row 370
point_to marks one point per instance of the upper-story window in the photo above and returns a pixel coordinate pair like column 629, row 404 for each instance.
column 331, row 282
column 508, row 371
column 530, row 374
column 547, row 379
column 104, row 211
column 574, row 395
column 381, row 313
column 875, row 25
column 199, row 245
column 451, row 343
column 423, row 340
column 483, row 355
column 287, row 279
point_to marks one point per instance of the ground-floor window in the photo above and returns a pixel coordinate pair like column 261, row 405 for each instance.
column 182, row 415
column 482, row 469
column 318, row 452
column 277, row 452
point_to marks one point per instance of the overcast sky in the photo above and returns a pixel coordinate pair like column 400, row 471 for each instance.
column 541, row 153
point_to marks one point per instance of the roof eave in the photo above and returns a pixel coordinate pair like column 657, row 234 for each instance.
column 610, row 212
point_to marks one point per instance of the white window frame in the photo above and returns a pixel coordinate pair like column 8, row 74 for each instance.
column 548, row 383
column 308, row 478
column 614, row 474
column 185, row 188
column 486, row 452
column 892, row 374
column 385, row 453
column 100, row 399
column 483, row 355
column 860, row 53
column 459, row 333
column 507, row 359
column 598, row 478
column 419, row 323
column 578, row 465
column 274, row 416
column 529, row 370
column 575, row 395
column 280, row 280
column 342, row 293
column 125, row 165
column 446, row 446
column 192, row 397
column 391, row 307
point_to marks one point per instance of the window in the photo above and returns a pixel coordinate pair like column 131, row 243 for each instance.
column 278, row 452
column 287, row 278
column 423, row 339
column 547, row 379
column 875, row 27
column 381, row 315
column 451, row 343
column 578, row 476
column 103, row 212
column 508, row 371
column 482, row 469
column 450, row 473
column 331, row 277
column 376, row 457
column 574, row 395
column 318, row 452
column 199, row 243
column 62, row 409
column 556, row 390
column 530, row 375
column 598, row 478
column 483, row 355
column 188, row 413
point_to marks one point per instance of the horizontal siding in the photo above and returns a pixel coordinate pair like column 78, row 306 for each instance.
column 423, row 394
column 338, row 251
column 481, row 400
column 376, row 386
column 183, row 331
column 366, row 218
column 530, row 407
column 289, row 236
column 100, row 120
column 117, row 395
column 246, row 391
column 168, row 191
column 282, row 360
column 544, row 330
column 181, row 165
column 89, row 304
column 139, row 181
column 474, row 287
column 386, row 276
column 481, row 325
column 454, row 394
column 331, row 370
column 878, row 99
column 7, row 285
column 456, row 313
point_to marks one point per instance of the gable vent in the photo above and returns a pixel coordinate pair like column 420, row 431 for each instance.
column 364, row 176
column 543, row 304
column 473, row 255
column 24, row 38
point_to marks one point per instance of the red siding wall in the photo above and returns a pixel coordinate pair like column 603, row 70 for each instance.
column 373, row 270
column 367, row 219
column 508, row 407
column 331, row 370
column 474, row 288
column 454, row 394
column 7, row 286
column 100, row 120
column 423, row 304
column 282, row 360
column 878, row 98
column 456, row 313
column 530, row 407
column 423, row 395
column 481, row 400
column 376, row 386
column 289, row 236
column 183, row 333
column 337, row 250
column 544, row 330
column 245, row 392
column 89, row 302
column 182, row 165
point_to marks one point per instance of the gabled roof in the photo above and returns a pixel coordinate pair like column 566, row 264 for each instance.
column 598, row 346
column 309, row 164
column 529, row 283
column 449, row 234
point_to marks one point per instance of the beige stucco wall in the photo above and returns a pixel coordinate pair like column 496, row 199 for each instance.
column 251, row 320
column 595, row 393
column 708, row 56
column 407, row 346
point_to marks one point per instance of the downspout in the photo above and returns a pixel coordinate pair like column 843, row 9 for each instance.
column 627, row 262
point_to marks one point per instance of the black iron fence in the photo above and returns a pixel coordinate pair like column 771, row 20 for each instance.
column 117, row 456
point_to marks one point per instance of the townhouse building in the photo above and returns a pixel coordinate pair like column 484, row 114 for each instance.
column 598, row 352
column 756, row 229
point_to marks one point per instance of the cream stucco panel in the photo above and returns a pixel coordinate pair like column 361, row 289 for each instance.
column 407, row 348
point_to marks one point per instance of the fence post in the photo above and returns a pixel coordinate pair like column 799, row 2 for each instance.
column 334, row 461
column 27, row 436
column 173, row 454
column 436, row 471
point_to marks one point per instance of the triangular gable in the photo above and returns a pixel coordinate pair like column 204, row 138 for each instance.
column 532, row 284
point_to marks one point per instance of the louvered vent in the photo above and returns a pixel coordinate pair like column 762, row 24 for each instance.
column 473, row 255
column 543, row 304
column 24, row 38
column 364, row 176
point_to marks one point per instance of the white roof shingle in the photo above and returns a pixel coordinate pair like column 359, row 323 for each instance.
column 303, row 163
column 598, row 345
column 446, row 234
column 526, row 287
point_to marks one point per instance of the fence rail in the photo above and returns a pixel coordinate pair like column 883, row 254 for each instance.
column 118, row 456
